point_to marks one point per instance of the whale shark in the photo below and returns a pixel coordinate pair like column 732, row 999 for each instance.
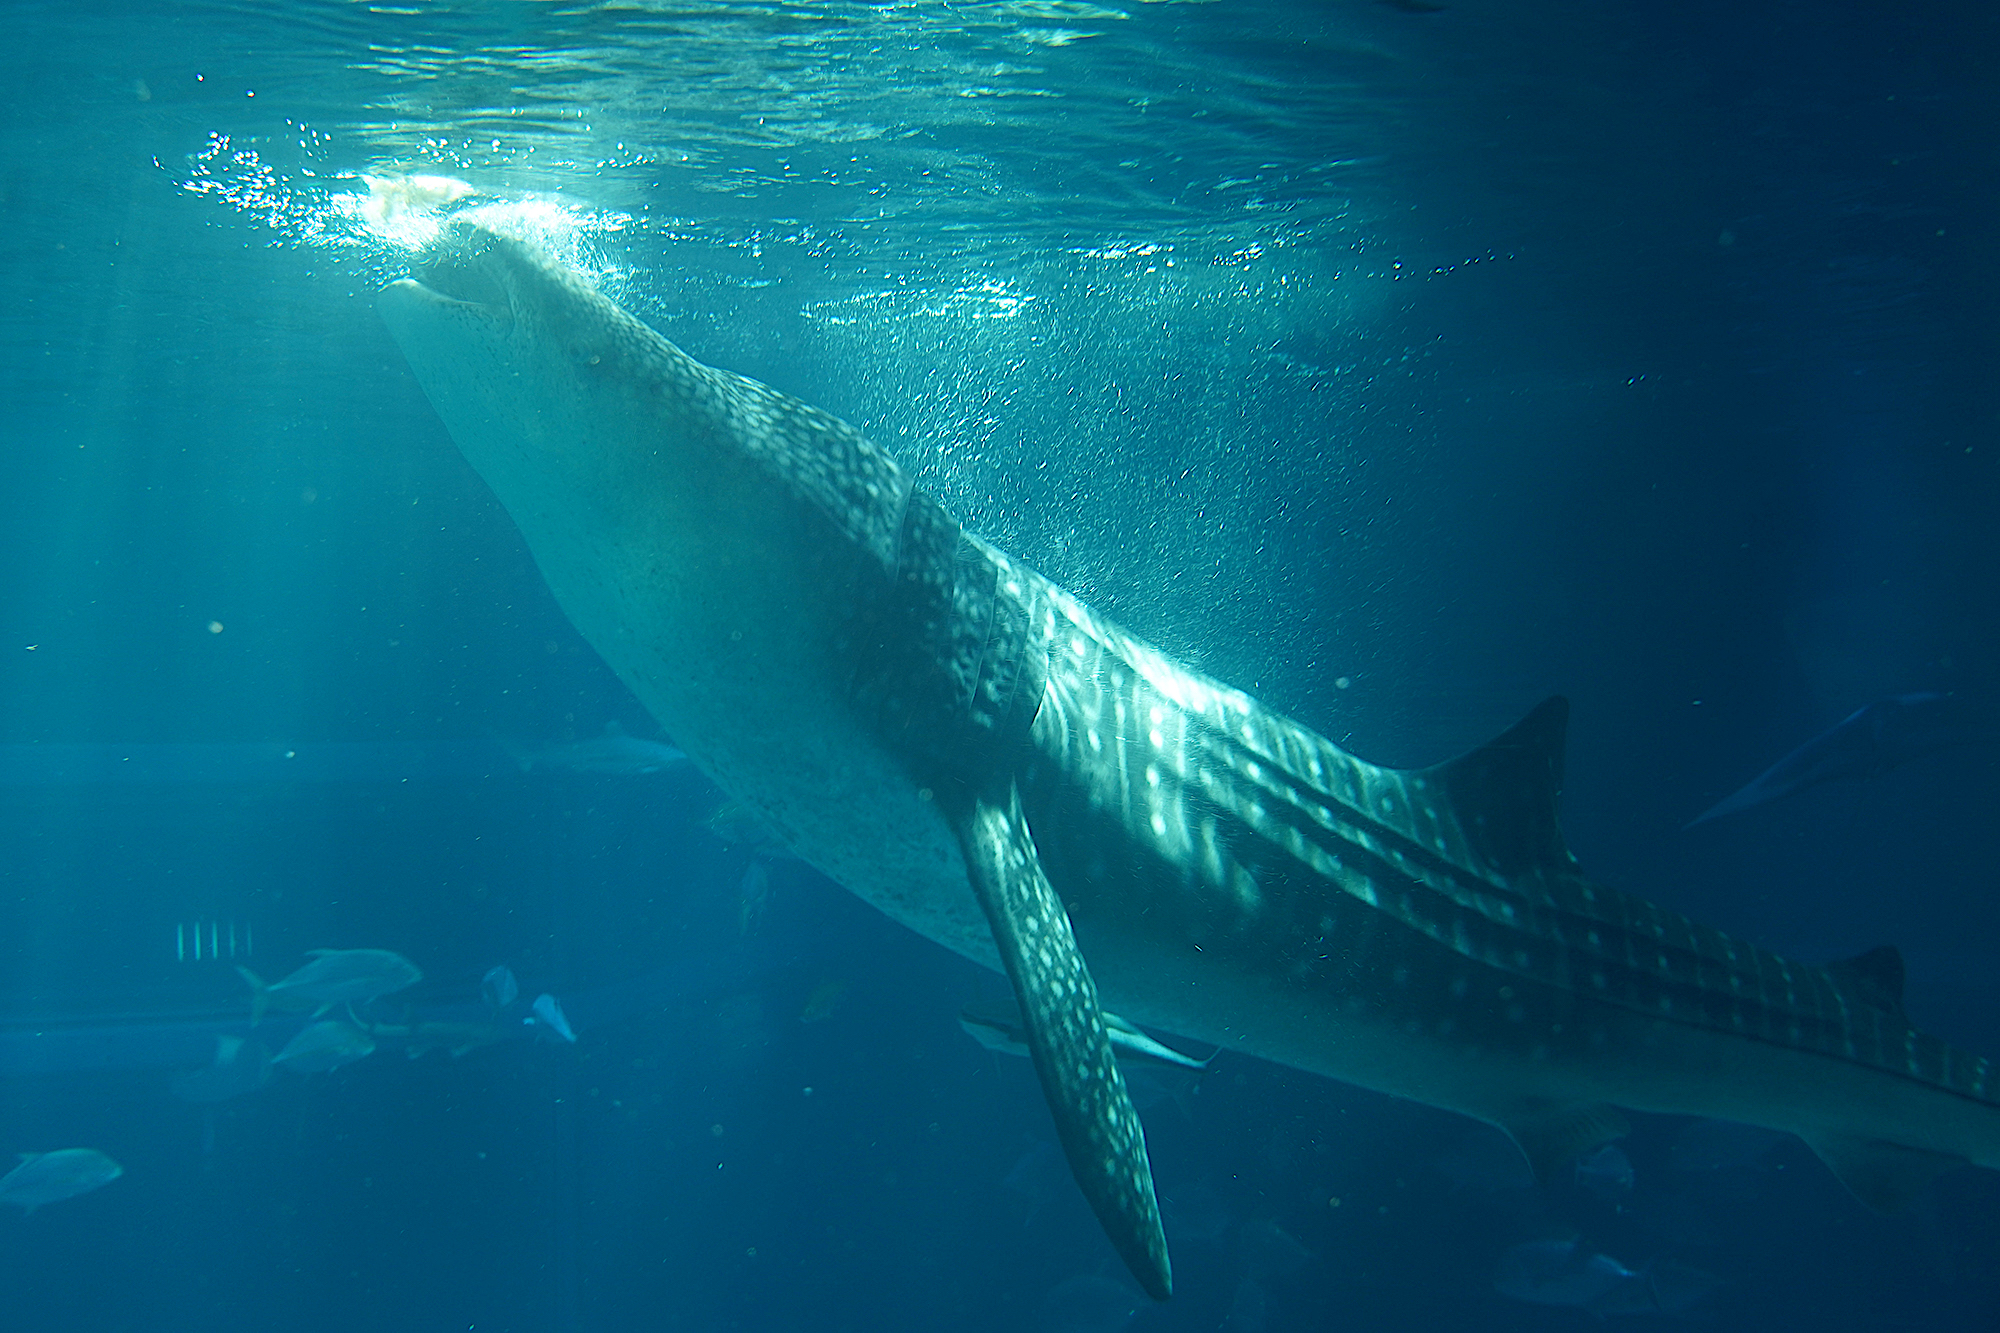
column 976, row 752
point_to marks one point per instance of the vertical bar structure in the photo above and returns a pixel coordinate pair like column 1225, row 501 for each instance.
column 213, row 940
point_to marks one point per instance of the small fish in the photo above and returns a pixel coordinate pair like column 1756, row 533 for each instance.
column 1606, row 1173
column 334, row 976
column 612, row 753
column 325, row 1046
column 241, row 1065
column 1867, row 743
column 998, row 1027
column 738, row 825
column 46, row 1177
column 1569, row 1273
column 819, row 1005
column 548, row 1011
column 499, row 987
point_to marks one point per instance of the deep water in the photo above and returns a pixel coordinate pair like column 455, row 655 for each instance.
column 1400, row 363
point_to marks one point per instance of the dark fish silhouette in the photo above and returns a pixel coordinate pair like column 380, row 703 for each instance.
column 1871, row 741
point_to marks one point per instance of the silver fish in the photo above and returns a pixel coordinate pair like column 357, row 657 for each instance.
column 325, row 1046
column 334, row 976
column 46, row 1177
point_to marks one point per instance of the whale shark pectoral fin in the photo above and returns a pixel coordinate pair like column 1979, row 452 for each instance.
column 1886, row 1176
column 1095, row 1121
column 1554, row 1136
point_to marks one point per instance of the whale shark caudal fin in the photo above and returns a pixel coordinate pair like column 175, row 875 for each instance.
column 1508, row 791
column 1095, row 1121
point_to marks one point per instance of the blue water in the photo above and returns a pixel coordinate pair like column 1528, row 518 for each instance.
column 1400, row 365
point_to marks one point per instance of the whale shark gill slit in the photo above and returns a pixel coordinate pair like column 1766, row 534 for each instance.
column 974, row 751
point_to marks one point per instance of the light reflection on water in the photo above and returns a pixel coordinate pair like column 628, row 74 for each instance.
column 908, row 127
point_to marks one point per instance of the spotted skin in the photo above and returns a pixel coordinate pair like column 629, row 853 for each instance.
column 1239, row 801
column 969, row 748
column 1099, row 1130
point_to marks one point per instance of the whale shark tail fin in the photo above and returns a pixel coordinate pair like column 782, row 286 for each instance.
column 1507, row 792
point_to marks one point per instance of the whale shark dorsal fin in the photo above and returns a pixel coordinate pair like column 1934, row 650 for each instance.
column 1875, row 976
column 1506, row 792
column 1094, row 1118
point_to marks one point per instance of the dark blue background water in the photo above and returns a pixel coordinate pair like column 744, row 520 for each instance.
column 1641, row 353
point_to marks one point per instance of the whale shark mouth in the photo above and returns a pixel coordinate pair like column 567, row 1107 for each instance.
column 470, row 277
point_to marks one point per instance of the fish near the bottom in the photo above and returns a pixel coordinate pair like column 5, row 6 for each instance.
column 973, row 750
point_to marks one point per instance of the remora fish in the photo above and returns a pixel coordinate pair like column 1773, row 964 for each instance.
column 998, row 1027
column 612, row 753
column 971, row 749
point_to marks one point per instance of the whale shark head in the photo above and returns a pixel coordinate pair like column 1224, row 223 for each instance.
column 698, row 527
column 534, row 371
column 579, row 415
